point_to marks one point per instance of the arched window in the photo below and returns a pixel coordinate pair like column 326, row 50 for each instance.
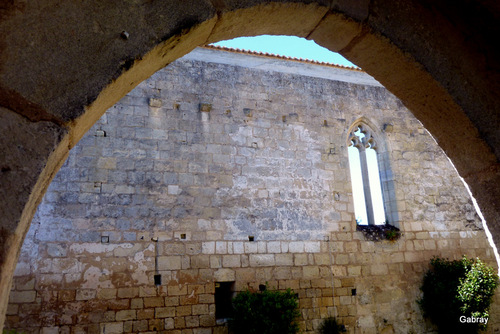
column 370, row 198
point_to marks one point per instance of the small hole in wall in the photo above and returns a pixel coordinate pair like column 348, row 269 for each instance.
column 251, row 238
column 100, row 133
column 262, row 287
column 104, row 239
column 157, row 279
column 353, row 292
column 183, row 236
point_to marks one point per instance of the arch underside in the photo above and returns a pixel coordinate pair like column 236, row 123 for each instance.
column 63, row 66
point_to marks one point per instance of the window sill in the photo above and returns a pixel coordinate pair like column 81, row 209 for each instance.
column 379, row 232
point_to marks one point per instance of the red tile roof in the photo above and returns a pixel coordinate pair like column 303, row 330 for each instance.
column 272, row 55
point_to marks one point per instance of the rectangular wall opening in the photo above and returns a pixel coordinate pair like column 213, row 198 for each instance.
column 224, row 293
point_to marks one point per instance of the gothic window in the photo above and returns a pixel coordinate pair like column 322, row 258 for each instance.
column 368, row 195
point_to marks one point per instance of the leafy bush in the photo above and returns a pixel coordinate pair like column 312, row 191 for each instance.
column 266, row 312
column 454, row 289
column 330, row 326
column 477, row 288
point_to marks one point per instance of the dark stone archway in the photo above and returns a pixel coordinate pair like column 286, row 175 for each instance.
column 64, row 63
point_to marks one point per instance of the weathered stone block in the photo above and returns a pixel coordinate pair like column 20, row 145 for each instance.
column 111, row 328
column 282, row 273
column 312, row 246
column 262, row 260
column 169, row 262
column 153, row 302
column 139, row 326
column 323, row 259
column 177, row 290
column 208, row 247
column 354, row 270
column 145, row 314
column 49, row 330
column 429, row 244
column 85, row 294
column 193, row 321
column 341, row 259
column 300, row 260
column 274, row 247
column 25, row 284
column 238, row 248
column 22, row 296
column 413, row 257
column 126, row 315
column 251, row 247
column 182, row 311
column 201, row 309
column 200, row 261
column 147, row 291
column 12, row 309
column 422, row 235
column 169, row 323
column 231, row 261
column 310, row 272
column 221, row 247
column 284, row 259
column 171, row 301
column 136, row 303
column 224, row 275
column 207, row 320
column 164, row 312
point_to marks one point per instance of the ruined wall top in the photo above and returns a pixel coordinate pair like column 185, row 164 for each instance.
column 275, row 63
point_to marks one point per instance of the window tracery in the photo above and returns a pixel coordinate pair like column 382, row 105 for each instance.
column 369, row 204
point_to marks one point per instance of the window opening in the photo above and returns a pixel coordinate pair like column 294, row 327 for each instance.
column 224, row 292
column 365, row 178
column 375, row 186
column 157, row 279
column 357, row 186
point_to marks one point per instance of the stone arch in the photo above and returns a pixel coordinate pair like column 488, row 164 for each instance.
column 57, row 79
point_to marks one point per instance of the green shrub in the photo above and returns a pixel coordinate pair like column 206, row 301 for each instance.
column 266, row 312
column 454, row 289
column 330, row 326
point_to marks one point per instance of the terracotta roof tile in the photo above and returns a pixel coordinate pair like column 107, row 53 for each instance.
column 272, row 55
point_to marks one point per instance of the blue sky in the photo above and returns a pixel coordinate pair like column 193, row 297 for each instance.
column 287, row 46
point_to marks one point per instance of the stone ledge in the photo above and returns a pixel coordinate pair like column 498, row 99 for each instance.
column 379, row 232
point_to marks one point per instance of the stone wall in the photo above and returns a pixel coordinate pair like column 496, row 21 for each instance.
column 205, row 155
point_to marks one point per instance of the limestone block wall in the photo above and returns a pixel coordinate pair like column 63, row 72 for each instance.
column 216, row 171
